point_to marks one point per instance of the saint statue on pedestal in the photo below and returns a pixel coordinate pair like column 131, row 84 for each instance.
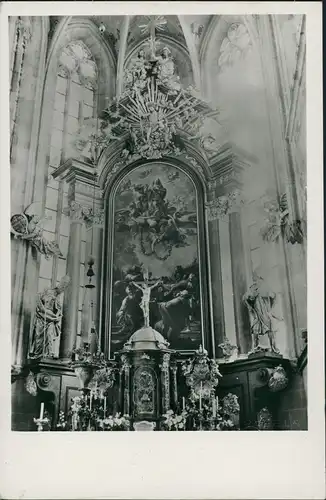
column 47, row 322
column 260, row 302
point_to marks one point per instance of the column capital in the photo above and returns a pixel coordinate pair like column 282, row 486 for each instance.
column 227, row 169
column 81, row 177
column 219, row 207
column 83, row 213
column 85, row 197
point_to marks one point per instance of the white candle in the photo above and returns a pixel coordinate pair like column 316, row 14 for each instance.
column 90, row 402
column 214, row 408
column 201, row 388
column 216, row 403
column 183, row 403
column 104, row 407
column 42, row 411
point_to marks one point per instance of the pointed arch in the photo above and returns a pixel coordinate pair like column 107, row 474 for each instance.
column 75, row 87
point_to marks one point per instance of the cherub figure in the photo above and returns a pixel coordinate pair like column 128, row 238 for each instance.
column 29, row 226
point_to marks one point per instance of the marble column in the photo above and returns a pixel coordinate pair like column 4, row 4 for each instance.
column 165, row 378
column 216, row 280
column 126, row 390
column 174, row 369
column 239, row 281
column 71, row 297
column 85, row 208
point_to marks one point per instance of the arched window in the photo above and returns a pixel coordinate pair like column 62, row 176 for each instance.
column 75, row 100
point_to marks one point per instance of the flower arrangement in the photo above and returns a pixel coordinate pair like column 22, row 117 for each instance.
column 103, row 380
column 210, row 415
column 62, row 424
column 114, row 423
column 174, row 422
column 83, row 356
column 230, row 404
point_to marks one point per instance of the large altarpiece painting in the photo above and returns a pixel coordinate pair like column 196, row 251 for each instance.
column 156, row 241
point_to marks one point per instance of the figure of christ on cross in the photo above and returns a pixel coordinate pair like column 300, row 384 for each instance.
column 145, row 287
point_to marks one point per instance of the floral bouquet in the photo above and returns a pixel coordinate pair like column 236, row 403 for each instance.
column 62, row 424
column 174, row 422
column 114, row 423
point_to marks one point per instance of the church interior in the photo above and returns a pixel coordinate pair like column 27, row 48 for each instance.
column 158, row 223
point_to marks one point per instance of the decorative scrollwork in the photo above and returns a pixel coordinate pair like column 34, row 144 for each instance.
column 202, row 374
column 43, row 380
column 230, row 351
column 276, row 378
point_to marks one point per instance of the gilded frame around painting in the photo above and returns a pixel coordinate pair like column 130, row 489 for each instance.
column 206, row 327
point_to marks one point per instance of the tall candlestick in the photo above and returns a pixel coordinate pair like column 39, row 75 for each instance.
column 42, row 411
column 216, row 403
column 201, row 388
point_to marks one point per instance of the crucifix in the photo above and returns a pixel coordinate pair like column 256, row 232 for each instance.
column 146, row 287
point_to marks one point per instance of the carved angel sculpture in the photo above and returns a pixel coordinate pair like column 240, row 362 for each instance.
column 278, row 223
column 47, row 321
column 29, row 226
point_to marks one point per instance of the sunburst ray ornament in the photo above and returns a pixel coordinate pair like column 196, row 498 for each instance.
column 154, row 23
column 154, row 113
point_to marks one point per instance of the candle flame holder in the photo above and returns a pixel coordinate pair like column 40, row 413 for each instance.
column 41, row 422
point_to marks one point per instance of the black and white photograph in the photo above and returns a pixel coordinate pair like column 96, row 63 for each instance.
column 158, row 222
column 163, row 242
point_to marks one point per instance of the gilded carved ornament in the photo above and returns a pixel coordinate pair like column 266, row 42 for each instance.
column 154, row 112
